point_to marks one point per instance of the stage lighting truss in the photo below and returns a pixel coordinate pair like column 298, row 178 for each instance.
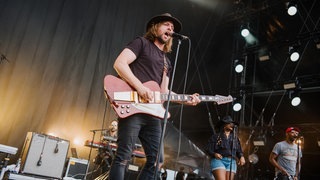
column 294, row 53
column 292, row 8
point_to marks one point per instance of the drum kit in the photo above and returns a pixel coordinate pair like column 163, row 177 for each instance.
column 105, row 153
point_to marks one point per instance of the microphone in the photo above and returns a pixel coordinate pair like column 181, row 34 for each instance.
column 177, row 35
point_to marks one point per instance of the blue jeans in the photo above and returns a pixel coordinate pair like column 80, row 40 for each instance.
column 148, row 130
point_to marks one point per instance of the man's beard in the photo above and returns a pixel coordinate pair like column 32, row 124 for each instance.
column 160, row 40
column 292, row 139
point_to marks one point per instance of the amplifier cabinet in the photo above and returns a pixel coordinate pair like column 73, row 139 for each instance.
column 77, row 168
column 44, row 155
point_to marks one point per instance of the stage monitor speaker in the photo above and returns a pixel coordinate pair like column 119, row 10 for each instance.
column 77, row 168
column 44, row 155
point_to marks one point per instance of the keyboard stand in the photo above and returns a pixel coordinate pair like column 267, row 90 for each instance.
column 8, row 150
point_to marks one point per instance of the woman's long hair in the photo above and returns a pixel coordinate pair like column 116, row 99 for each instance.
column 151, row 35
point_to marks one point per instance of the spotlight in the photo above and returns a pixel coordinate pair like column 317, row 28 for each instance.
column 294, row 96
column 237, row 107
column 292, row 8
column 253, row 158
column 244, row 30
column 294, row 54
column 264, row 54
column 317, row 42
column 259, row 141
column 295, row 101
column 319, row 142
column 264, row 58
column 289, row 85
column 238, row 66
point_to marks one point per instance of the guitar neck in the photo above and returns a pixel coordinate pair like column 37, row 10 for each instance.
column 185, row 97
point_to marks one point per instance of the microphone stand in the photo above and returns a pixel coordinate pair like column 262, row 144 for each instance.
column 93, row 135
column 165, row 119
column 234, row 140
column 298, row 158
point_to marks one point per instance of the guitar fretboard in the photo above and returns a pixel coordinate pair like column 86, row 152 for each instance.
column 183, row 97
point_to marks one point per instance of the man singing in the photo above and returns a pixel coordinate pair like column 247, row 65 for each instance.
column 286, row 156
column 144, row 59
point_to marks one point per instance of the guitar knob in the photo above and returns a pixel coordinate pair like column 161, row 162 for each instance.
column 128, row 106
column 128, row 110
column 122, row 106
column 121, row 112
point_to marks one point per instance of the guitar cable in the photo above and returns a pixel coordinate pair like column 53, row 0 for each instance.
column 39, row 163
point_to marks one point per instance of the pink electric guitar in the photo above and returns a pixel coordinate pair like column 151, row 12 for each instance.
column 126, row 101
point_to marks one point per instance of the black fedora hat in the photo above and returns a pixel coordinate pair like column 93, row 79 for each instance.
column 226, row 120
column 165, row 17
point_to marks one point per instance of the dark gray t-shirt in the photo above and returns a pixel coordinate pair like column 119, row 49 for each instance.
column 150, row 60
column 287, row 156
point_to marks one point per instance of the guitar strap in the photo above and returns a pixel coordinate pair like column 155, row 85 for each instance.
column 165, row 67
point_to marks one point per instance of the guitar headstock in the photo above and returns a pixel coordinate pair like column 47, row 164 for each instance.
column 223, row 99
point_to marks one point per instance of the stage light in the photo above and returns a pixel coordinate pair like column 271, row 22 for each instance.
column 317, row 42
column 264, row 58
column 292, row 8
column 295, row 101
column 237, row 107
column 319, row 142
column 289, row 85
column 294, row 95
column 238, row 66
column 259, row 141
column 294, row 54
column 244, row 30
column 77, row 141
column 253, row 158
column 264, row 54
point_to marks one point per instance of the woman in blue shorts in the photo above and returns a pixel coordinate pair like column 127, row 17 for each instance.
column 225, row 150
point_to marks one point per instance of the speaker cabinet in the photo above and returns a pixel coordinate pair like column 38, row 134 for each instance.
column 44, row 155
column 77, row 168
